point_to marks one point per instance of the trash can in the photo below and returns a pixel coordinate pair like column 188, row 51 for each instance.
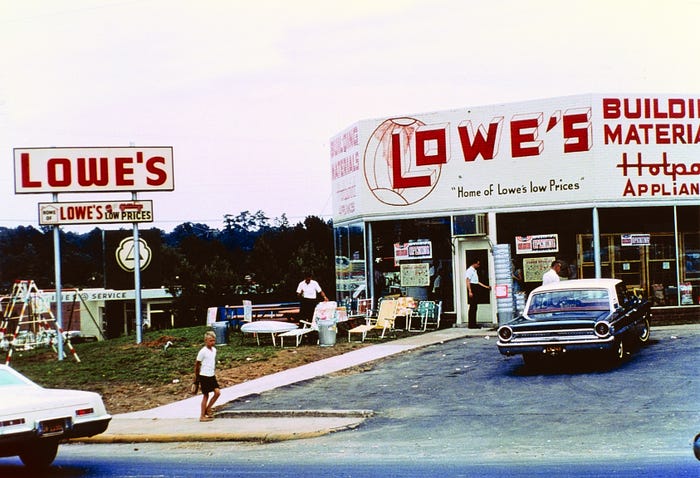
column 221, row 331
column 326, row 332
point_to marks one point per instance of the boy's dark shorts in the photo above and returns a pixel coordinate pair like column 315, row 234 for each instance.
column 208, row 384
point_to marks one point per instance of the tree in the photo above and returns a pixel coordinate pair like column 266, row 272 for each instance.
column 200, row 266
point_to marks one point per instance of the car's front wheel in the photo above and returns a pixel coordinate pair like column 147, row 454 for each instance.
column 617, row 353
column 645, row 330
column 40, row 454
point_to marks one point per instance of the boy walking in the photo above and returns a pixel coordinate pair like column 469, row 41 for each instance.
column 204, row 372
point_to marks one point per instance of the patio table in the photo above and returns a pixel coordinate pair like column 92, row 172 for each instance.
column 272, row 327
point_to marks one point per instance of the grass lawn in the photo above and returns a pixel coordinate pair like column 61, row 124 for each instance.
column 121, row 360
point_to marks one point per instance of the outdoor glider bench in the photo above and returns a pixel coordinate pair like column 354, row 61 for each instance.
column 299, row 333
column 323, row 311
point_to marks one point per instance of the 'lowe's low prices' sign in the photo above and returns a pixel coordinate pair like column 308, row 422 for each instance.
column 106, row 212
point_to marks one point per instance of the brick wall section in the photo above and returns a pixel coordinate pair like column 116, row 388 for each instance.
column 675, row 315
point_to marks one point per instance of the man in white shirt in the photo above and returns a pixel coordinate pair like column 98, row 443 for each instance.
column 308, row 291
column 472, row 283
column 552, row 275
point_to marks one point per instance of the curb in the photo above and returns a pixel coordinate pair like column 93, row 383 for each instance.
column 256, row 426
column 295, row 413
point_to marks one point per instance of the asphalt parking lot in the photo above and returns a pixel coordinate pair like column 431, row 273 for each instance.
column 463, row 397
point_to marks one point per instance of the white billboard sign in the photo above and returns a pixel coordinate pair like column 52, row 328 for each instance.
column 583, row 149
column 68, row 170
column 95, row 212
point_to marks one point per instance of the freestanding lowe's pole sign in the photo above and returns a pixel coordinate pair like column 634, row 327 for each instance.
column 105, row 169
column 77, row 170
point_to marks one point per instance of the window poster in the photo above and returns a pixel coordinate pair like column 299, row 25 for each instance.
column 535, row 267
column 415, row 275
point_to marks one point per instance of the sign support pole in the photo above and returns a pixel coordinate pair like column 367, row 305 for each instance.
column 137, row 277
column 57, row 280
column 596, row 244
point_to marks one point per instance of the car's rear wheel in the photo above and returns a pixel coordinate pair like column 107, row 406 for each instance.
column 645, row 330
column 40, row 454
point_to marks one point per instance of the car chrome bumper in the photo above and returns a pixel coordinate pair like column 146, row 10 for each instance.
column 88, row 429
column 554, row 346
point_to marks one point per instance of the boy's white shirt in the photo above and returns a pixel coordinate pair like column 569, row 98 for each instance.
column 207, row 357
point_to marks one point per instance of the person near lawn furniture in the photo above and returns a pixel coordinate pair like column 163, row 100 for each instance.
column 308, row 291
column 205, row 374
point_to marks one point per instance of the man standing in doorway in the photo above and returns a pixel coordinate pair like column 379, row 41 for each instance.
column 552, row 275
column 472, row 283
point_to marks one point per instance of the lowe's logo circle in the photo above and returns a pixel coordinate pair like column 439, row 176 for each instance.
column 403, row 160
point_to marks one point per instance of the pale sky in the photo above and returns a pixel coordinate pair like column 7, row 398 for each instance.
column 249, row 93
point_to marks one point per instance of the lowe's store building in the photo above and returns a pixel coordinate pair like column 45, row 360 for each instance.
column 607, row 184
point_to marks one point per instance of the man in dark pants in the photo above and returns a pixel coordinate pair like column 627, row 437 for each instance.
column 308, row 291
column 473, row 294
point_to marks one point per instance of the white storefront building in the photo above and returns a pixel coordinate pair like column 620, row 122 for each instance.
column 607, row 184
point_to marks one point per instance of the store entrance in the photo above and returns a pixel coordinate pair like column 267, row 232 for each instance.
column 469, row 249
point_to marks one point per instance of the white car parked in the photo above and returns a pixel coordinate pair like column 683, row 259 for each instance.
column 34, row 420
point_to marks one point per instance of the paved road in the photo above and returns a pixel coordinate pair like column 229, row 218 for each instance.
column 456, row 408
column 462, row 400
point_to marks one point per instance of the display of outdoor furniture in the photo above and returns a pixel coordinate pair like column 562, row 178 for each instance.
column 386, row 317
column 404, row 309
column 323, row 311
column 427, row 312
column 364, row 308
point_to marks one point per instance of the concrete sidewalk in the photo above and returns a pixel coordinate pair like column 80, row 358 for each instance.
column 179, row 421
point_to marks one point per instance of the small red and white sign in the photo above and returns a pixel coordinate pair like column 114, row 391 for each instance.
column 501, row 291
column 102, row 212
column 537, row 244
column 413, row 250
column 635, row 240
column 68, row 170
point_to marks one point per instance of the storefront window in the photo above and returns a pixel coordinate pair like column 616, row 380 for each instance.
column 657, row 263
column 350, row 269
column 691, row 256
column 650, row 268
column 689, row 252
column 408, row 258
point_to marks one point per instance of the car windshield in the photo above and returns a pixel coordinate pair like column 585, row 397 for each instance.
column 8, row 378
column 569, row 300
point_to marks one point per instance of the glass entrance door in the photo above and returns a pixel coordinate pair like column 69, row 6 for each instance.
column 468, row 249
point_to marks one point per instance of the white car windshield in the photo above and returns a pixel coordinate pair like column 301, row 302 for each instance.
column 8, row 378
column 569, row 300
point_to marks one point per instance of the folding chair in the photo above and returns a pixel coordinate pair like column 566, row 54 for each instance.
column 386, row 317
column 420, row 314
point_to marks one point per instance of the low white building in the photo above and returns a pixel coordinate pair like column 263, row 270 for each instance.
column 607, row 184
column 108, row 313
